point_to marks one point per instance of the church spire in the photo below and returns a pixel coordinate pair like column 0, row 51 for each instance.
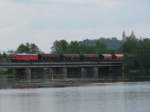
column 124, row 37
column 132, row 35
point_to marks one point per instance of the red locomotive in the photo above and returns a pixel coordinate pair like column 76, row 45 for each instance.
column 65, row 57
column 24, row 57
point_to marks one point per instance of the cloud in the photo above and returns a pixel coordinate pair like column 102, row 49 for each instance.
column 102, row 3
column 43, row 21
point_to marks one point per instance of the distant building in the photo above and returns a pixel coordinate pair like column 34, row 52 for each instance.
column 132, row 35
column 124, row 37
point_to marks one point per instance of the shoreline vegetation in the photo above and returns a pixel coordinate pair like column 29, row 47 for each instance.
column 136, row 51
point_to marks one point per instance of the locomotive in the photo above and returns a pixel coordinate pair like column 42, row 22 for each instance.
column 65, row 57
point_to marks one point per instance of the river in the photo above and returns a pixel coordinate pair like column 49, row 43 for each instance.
column 106, row 97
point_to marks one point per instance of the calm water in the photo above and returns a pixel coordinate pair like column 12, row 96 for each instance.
column 117, row 97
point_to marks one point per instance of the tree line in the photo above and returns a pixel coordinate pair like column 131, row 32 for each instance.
column 137, row 61
column 136, row 51
column 63, row 46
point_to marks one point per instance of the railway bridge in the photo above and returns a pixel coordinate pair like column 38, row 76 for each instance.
column 66, row 70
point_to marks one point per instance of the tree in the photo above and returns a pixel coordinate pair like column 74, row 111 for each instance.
column 143, row 54
column 34, row 48
column 21, row 49
column 60, row 46
column 27, row 48
column 100, row 47
column 130, row 46
column 74, row 47
column 4, row 57
column 63, row 46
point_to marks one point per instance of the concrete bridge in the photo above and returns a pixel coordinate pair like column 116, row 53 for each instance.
column 67, row 70
column 60, row 64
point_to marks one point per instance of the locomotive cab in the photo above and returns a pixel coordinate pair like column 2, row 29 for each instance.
column 24, row 57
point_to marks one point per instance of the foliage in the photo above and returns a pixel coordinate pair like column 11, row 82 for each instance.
column 63, row 46
column 143, row 53
column 28, row 48
column 111, row 43
column 60, row 46
column 137, row 55
column 3, row 57
column 137, row 52
column 130, row 46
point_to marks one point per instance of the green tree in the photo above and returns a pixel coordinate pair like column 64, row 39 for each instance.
column 34, row 48
column 130, row 46
column 100, row 47
column 60, row 47
column 74, row 47
column 28, row 48
column 143, row 54
column 22, row 49
column 63, row 46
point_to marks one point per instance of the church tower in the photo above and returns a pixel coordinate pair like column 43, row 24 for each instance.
column 124, row 37
column 132, row 35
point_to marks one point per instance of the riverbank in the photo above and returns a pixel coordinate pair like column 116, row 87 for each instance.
column 60, row 83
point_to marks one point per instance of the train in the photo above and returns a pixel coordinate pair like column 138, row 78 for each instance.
column 65, row 57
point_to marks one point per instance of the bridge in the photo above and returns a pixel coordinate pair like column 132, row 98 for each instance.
column 59, row 64
column 66, row 70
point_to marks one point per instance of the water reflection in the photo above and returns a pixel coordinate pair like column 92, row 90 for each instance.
column 117, row 97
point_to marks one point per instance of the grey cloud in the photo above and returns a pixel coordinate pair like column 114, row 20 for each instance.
column 44, row 21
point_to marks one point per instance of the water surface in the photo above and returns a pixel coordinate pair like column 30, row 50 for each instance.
column 111, row 97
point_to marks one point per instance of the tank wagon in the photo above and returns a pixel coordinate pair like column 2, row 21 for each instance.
column 65, row 57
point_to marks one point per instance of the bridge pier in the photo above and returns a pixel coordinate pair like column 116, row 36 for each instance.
column 96, row 72
column 51, row 73
column 103, row 73
column 89, row 72
column 83, row 73
column 74, row 72
column 28, row 74
column 58, row 73
column 46, row 73
column 65, row 72
column 110, row 74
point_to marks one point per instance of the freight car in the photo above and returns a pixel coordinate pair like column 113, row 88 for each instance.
column 49, row 57
column 117, row 56
column 65, row 57
column 71, row 57
column 90, row 57
column 105, row 57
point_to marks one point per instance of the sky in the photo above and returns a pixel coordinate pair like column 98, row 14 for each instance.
column 44, row 21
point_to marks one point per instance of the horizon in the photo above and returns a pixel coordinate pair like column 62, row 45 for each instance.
column 123, row 39
column 49, row 50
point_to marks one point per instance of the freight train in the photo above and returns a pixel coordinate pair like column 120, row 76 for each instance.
column 65, row 57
